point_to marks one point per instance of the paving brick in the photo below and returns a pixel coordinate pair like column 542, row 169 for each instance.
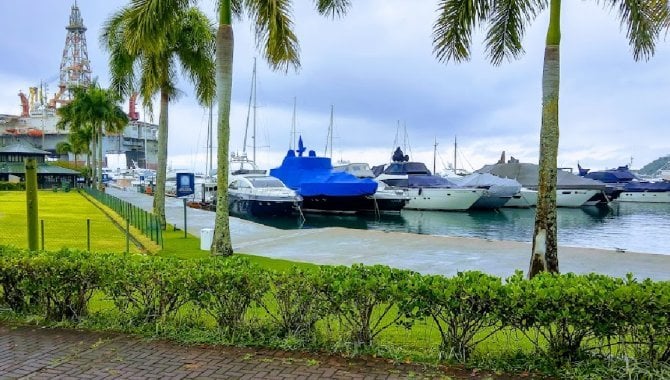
column 39, row 353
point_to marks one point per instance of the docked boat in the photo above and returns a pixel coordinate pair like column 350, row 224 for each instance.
column 499, row 191
column 426, row 191
column 386, row 198
column 261, row 195
column 322, row 188
column 525, row 198
column 625, row 186
column 571, row 190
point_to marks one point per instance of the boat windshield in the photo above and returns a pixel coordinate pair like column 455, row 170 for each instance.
column 265, row 182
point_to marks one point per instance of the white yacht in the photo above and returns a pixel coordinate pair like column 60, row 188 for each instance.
column 261, row 195
column 571, row 191
column 427, row 191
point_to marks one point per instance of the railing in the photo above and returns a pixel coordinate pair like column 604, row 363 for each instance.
column 144, row 221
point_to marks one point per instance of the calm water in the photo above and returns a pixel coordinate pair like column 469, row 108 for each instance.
column 637, row 227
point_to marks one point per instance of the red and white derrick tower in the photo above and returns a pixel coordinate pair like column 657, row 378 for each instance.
column 75, row 68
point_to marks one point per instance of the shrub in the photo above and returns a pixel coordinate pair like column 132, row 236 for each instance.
column 364, row 297
column 17, row 293
column 147, row 288
column 462, row 307
column 12, row 186
column 226, row 288
column 65, row 281
column 294, row 303
column 561, row 310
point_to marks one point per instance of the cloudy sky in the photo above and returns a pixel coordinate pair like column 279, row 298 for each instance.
column 377, row 69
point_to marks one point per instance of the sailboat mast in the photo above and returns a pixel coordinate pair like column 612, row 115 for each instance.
column 210, row 137
column 292, row 142
column 455, row 150
column 253, row 89
column 329, row 138
column 434, row 154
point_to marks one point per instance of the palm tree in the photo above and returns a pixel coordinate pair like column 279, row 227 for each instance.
column 95, row 111
column 63, row 148
column 188, row 41
column 507, row 20
column 274, row 37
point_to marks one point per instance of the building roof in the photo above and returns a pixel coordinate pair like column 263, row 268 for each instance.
column 23, row 148
column 42, row 169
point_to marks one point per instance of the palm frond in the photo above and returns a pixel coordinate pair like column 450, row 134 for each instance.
column 195, row 47
column 148, row 19
column 274, row 35
column 643, row 20
column 333, row 8
column 452, row 31
column 508, row 21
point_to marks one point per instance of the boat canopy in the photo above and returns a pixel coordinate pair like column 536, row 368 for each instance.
column 314, row 176
column 409, row 168
column 486, row 180
column 618, row 175
column 429, row 181
column 527, row 175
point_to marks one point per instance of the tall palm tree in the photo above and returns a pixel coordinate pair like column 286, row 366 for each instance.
column 95, row 109
column 274, row 37
column 186, row 41
column 507, row 21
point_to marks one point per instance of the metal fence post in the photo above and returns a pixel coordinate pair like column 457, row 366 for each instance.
column 185, row 218
column 42, row 232
column 88, row 234
column 127, row 236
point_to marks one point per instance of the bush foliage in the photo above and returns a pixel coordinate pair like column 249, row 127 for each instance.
column 566, row 317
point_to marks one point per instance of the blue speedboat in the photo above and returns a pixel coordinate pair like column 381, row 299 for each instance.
column 322, row 188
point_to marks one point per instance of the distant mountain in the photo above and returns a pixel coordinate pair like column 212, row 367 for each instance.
column 651, row 168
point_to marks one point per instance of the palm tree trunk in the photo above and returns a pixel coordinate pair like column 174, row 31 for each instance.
column 99, row 167
column 221, row 244
column 545, row 245
column 94, row 163
column 159, row 195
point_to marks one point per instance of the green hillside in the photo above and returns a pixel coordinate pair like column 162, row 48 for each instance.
column 656, row 165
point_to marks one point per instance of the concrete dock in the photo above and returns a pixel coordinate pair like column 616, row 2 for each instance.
column 422, row 253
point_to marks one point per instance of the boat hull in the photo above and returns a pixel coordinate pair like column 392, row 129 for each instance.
column 645, row 196
column 344, row 204
column 261, row 207
column 442, row 199
column 573, row 197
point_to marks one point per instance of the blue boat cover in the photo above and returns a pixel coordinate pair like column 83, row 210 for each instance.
column 314, row 176
column 618, row 175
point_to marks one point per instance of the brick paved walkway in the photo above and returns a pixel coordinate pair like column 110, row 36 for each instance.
column 41, row 353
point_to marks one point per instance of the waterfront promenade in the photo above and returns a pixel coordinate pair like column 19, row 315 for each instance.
column 423, row 253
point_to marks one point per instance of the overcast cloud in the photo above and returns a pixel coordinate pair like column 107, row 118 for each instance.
column 376, row 67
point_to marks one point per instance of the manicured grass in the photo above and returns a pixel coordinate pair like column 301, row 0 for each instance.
column 64, row 216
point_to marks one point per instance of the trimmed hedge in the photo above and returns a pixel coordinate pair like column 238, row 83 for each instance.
column 566, row 317
column 12, row 186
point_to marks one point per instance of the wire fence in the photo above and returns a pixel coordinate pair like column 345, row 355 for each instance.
column 144, row 221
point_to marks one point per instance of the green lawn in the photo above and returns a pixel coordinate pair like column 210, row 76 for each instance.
column 65, row 215
column 65, row 218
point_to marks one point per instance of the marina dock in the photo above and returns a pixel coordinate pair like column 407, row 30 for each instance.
column 422, row 253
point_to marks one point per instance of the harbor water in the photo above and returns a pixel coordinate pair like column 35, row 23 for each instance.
column 634, row 227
